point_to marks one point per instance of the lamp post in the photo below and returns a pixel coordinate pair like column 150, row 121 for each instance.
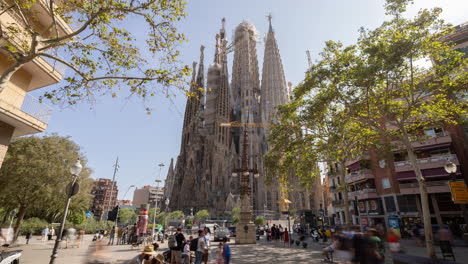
column 451, row 169
column 72, row 189
column 155, row 205
column 118, row 207
column 245, row 221
column 167, row 209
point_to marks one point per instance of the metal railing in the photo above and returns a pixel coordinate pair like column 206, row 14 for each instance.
column 428, row 184
column 363, row 191
column 448, row 157
column 26, row 103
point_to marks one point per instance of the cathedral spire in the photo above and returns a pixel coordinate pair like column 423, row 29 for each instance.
column 270, row 28
column 216, row 56
column 273, row 91
column 222, row 31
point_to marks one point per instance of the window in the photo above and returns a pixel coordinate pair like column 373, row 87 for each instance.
column 434, row 132
column 390, row 204
column 407, row 203
column 440, row 152
column 386, row 183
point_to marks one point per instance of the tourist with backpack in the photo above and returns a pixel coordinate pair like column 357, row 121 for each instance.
column 176, row 244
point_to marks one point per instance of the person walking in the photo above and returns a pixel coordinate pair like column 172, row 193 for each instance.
column 45, row 233
column 281, row 232
column 207, row 238
column 176, row 244
column 51, row 232
column 200, row 248
column 111, row 236
column 70, row 237
column 124, row 236
column 286, row 237
column 119, row 235
column 226, row 251
column 79, row 237
column 28, row 236
column 393, row 241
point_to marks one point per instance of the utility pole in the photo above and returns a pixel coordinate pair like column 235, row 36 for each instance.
column 116, row 168
column 156, row 200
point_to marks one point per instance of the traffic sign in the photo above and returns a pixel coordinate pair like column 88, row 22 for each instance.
column 89, row 214
column 459, row 192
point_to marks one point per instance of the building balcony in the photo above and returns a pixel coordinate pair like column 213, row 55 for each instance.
column 338, row 203
column 437, row 140
column 432, row 187
column 23, row 111
column 359, row 176
column 427, row 163
column 367, row 193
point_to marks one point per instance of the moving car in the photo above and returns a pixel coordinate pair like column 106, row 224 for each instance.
column 220, row 233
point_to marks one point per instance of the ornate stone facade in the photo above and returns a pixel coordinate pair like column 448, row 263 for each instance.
column 202, row 178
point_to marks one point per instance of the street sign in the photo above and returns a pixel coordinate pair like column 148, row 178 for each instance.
column 459, row 192
column 89, row 214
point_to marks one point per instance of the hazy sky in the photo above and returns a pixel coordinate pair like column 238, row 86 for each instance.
column 118, row 127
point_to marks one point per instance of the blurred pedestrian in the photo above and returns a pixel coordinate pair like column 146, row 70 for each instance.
column 145, row 256
column 80, row 237
column 286, row 237
column 376, row 249
column 45, row 233
column 226, row 251
column 207, row 237
column 28, row 236
column 98, row 254
column 111, row 236
column 200, row 248
column 119, row 235
column 393, row 241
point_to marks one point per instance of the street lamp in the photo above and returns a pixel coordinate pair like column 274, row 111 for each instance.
column 451, row 169
column 72, row 189
column 156, row 204
column 118, row 207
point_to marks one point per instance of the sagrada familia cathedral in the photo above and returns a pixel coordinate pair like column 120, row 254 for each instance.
column 210, row 150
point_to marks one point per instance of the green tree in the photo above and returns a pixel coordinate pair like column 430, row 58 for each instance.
column 128, row 216
column 176, row 215
column 202, row 215
column 235, row 213
column 76, row 218
column 34, row 176
column 259, row 221
column 380, row 85
column 102, row 54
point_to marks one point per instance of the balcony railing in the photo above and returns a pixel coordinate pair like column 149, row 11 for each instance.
column 428, row 184
column 449, row 157
column 363, row 191
column 358, row 175
column 338, row 203
column 26, row 103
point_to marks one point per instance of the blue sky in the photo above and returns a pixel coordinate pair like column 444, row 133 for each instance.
column 119, row 127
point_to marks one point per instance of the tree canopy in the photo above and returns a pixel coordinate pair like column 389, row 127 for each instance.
column 380, row 93
column 128, row 216
column 102, row 54
column 202, row 215
column 34, row 177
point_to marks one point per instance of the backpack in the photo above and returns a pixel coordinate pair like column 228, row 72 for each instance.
column 171, row 242
column 194, row 244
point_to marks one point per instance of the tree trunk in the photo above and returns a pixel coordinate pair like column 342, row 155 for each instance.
column 342, row 173
column 19, row 221
column 6, row 75
column 424, row 200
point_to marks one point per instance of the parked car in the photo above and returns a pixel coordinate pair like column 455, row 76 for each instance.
column 232, row 231
column 221, row 233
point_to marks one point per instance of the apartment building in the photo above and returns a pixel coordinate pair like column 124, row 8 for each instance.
column 383, row 186
column 149, row 195
column 104, row 193
column 21, row 113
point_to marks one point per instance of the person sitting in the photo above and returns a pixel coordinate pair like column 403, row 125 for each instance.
column 145, row 256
